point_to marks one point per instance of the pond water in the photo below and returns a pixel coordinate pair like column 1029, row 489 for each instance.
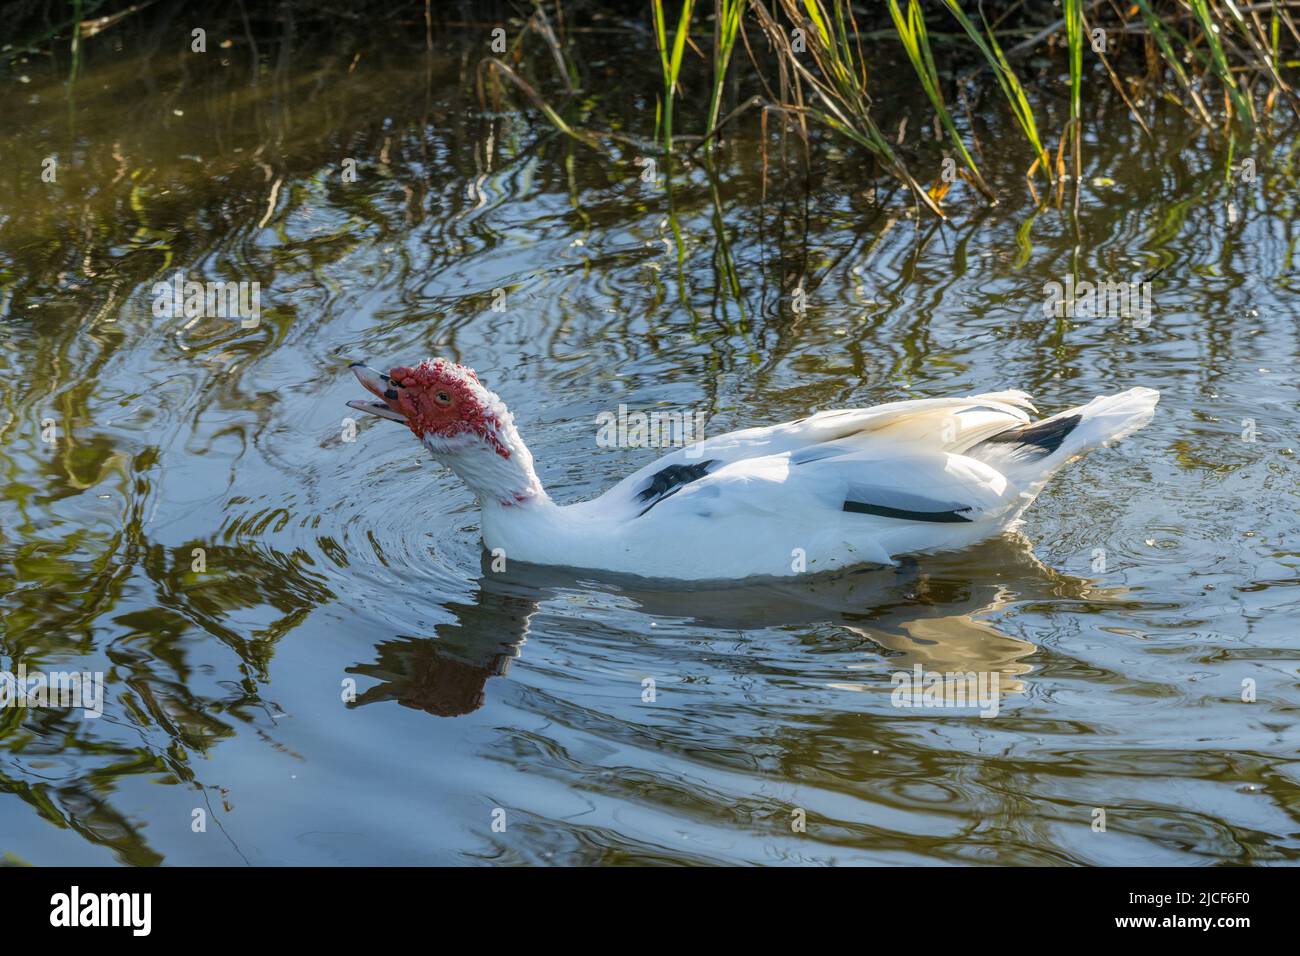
column 1152, row 587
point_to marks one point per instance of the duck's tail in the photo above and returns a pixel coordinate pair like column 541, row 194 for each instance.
column 1030, row 454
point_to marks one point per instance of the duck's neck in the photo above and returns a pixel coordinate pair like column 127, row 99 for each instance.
column 499, row 470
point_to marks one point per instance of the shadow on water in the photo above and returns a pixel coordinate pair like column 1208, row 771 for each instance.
column 930, row 612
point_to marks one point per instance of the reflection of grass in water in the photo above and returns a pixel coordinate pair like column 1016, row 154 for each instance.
column 809, row 60
column 815, row 68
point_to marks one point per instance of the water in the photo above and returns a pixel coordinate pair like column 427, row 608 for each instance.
column 485, row 698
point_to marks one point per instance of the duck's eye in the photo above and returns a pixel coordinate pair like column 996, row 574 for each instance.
column 442, row 398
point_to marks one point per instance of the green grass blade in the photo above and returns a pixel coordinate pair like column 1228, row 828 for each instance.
column 727, row 25
column 911, row 30
column 1007, row 80
column 671, row 63
column 1166, row 47
column 1245, row 115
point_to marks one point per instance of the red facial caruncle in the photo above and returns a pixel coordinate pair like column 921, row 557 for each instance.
column 439, row 397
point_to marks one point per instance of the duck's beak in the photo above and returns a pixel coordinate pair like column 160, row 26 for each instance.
column 378, row 384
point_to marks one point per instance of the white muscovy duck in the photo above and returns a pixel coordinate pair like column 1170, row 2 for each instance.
column 833, row 490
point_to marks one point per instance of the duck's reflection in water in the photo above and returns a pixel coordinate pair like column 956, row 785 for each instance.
column 925, row 611
column 446, row 674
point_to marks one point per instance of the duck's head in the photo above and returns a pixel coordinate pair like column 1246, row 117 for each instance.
column 464, row 424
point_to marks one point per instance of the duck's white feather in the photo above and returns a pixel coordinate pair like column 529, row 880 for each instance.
column 936, row 424
column 837, row 489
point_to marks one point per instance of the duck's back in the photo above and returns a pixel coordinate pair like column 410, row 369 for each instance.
column 838, row 489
